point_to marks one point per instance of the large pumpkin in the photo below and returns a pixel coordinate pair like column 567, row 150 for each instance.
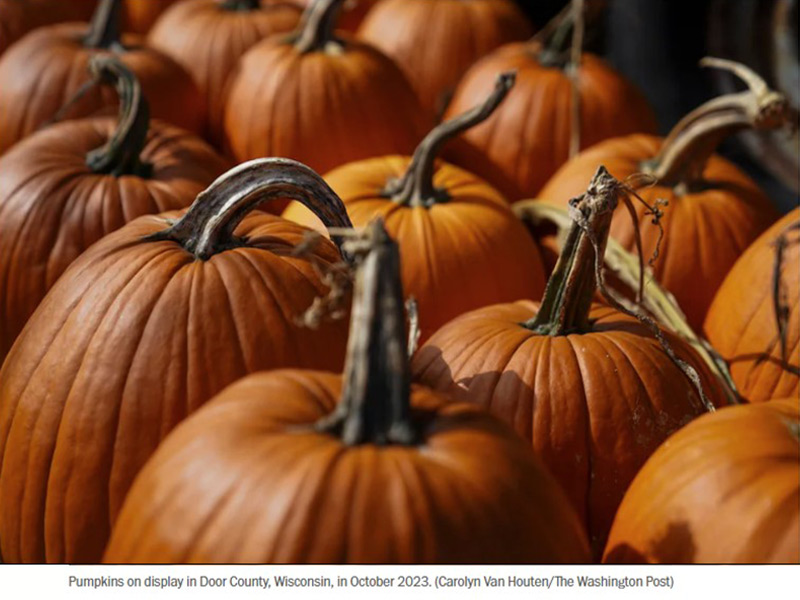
column 315, row 82
column 591, row 388
column 273, row 470
column 436, row 41
column 140, row 15
column 741, row 323
column 725, row 489
column 65, row 187
column 714, row 211
column 48, row 69
column 207, row 38
column 141, row 330
column 18, row 17
column 462, row 247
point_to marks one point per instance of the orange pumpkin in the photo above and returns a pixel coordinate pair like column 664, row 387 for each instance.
column 142, row 329
column 725, row 489
column 207, row 38
column 65, row 187
column 462, row 247
column 714, row 211
column 48, row 69
column 18, row 17
column 273, row 470
column 436, row 41
column 315, row 82
column 591, row 388
column 741, row 321
column 140, row 15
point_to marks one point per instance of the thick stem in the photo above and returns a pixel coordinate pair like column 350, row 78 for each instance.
column 416, row 188
column 571, row 288
column 104, row 30
column 375, row 403
column 240, row 5
column 207, row 227
column 686, row 150
column 121, row 154
column 317, row 25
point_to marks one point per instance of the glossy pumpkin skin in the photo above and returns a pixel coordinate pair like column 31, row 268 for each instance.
column 705, row 231
column 18, row 17
column 528, row 138
column 436, row 41
column 248, row 480
column 53, row 206
column 40, row 74
column 456, row 256
column 725, row 489
column 207, row 41
column 140, row 15
column 135, row 336
column 594, row 405
column 324, row 109
column 741, row 321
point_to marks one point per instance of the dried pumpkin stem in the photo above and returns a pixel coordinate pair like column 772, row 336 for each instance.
column 121, row 154
column 416, row 187
column 686, row 150
column 318, row 25
column 780, row 301
column 240, row 5
column 375, row 403
column 208, row 226
column 104, row 30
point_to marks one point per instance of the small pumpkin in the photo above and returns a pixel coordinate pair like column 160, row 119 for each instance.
column 462, row 247
column 18, row 17
column 274, row 470
column 315, row 81
column 139, row 16
column 741, row 323
column 713, row 210
column 591, row 388
column 48, row 70
column 141, row 330
column 436, row 41
column 207, row 38
column 724, row 489
column 65, row 187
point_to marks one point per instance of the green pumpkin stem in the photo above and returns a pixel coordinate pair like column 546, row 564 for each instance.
column 416, row 188
column 375, row 404
column 317, row 25
column 121, row 154
column 104, row 30
column 208, row 226
column 240, row 5
column 686, row 150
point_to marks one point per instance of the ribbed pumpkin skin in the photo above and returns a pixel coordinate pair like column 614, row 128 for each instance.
column 455, row 256
column 18, row 17
column 40, row 74
column 135, row 336
column 324, row 109
column 527, row 139
column 725, row 489
column 705, row 231
column 436, row 41
column 741, row 321
column 208, row 41
column 140, row 15
column 594, row 405
column 248, row 480
column 53, row 207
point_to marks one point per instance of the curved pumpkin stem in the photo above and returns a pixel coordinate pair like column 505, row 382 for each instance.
column 416, row 188
column 686, row 150
column 120, row 155
column 317, row 25
column 104, row 30
column 240, row 5
column 207, row 227
column 375, row 403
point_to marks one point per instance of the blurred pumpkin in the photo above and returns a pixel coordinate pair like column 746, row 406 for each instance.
column 139, row 16
column 18, row 17
column 353, row 12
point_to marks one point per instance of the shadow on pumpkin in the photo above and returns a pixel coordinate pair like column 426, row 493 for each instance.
column 758, row 359
column 675, row 546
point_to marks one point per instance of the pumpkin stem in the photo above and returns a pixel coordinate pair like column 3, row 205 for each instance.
column 208, row 226
column 416, row 188
column 121, row 154
column 240, row 5
column 104, row 30
column 780, row 301
column 570, row 289
column 553, row 46
column 374, row 407
column 686, row 150
column 317, row 25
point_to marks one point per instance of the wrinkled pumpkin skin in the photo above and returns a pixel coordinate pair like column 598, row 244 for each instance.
column 248, row 480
